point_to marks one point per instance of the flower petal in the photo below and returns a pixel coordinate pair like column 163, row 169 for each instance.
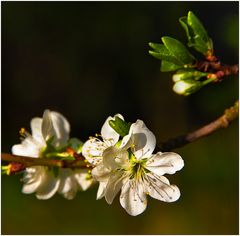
column 109, row 156
column 32, row 179
column 55, row 125
column 68, row 185
column 101, row 173
column 36, row 127
column 93, row 149
column 49, row 185
column 82, row 177
column 101, row 190
column 132, row 198
column 109, row 135
column 27, row 148
column 165, row 163
column 114, row 185
column 141, row 139
column 61, row 126
column 47, row 126
column 158, row 187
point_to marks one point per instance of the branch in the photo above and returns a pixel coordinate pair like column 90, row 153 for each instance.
column 222, row 122
column 32, row 161
column 218, row 70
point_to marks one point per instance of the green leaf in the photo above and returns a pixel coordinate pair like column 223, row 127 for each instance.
column 183, row 21
column 120, row 126
column 178, row 50
column 196, row 33
column 162, row 53
column 197, row 26
column 169, row 66
column 158, row 47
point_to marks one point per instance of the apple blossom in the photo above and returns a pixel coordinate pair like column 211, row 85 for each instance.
column 133, row 169
column 49, row 134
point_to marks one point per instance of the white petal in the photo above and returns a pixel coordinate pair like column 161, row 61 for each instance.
column 36, row 127
column 55, row 124
column 68, row 185
column 47, row 126
column 61, row 126
column 108, row 133
column 101, row 190
column 142, row 140
column 49, row 185
column 109, row 156
column 101, row 173
column 27, row 148
column 81, row 177
column 158, row 187
column 66, row 182
column 114, row 158
column 70, row 194
column 133, row 199
column 32, row 179
column 127, row 141
column 93, row 149
column 114, row 185
column 165, row 163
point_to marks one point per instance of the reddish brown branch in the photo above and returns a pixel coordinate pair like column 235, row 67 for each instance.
column 217, row 69
column 222, row 122
column 25, row 161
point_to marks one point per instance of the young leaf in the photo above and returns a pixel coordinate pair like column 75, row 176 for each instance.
column 162, row 53
column 120, row 126
column 178, row 50
column 169, row 66
column 196, row 33
column 190, row 34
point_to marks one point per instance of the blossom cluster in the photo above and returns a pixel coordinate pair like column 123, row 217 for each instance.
column 121, row 160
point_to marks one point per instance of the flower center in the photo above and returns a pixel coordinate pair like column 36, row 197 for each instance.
column 137, row 169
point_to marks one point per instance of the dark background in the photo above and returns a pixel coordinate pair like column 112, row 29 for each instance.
column 89, row 60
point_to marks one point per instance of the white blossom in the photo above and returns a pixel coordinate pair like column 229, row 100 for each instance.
column 133, row 169
column 52, row 128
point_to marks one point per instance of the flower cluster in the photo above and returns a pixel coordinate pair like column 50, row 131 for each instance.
column 121, row 158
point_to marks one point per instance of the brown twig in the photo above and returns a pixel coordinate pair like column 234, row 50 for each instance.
column 31, row 161
column 217, row 69
column 222, row 122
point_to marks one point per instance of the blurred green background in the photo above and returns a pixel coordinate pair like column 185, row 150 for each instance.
column 89, row 60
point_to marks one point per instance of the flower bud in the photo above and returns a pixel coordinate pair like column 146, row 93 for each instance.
column 188, row 75
column 186, row 87
column 177, row 77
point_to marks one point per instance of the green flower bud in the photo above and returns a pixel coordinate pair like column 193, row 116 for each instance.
column 186, row 87
column 188, row 75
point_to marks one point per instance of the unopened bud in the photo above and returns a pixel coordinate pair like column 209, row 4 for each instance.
column 186, row 87
column 188, row 75
column 177, row 77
